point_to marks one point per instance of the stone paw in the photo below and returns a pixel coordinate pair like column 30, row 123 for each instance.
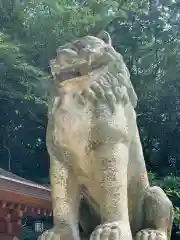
column 111, row 231
column 47, row 235
column 51, row 235
column 150, row 234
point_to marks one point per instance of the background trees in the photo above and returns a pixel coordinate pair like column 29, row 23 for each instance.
column 146, row 32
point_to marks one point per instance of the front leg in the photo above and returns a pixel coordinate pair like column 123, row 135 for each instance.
column 65, row 199
column 112, row 161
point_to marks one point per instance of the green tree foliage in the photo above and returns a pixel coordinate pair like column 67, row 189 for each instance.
column 149, row 42
column 146, row 32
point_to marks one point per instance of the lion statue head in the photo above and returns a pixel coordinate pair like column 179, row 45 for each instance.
column 82, row 61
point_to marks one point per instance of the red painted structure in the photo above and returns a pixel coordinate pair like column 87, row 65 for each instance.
column 20, row 197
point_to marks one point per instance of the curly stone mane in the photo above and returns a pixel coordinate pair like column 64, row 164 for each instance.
column 93, row 70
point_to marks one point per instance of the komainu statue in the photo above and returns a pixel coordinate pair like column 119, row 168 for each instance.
column 95, row 149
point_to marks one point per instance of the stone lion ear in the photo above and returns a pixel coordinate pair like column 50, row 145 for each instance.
column 105, row 37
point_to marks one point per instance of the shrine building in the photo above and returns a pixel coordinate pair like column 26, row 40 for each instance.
column 19, row 198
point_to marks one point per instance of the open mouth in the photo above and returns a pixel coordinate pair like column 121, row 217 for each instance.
column 68, row 74
column 82, row 70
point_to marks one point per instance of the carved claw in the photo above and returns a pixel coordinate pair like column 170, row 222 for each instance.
column 111, row 231
column 150, row 234
column 51, row 235
column 47, row 235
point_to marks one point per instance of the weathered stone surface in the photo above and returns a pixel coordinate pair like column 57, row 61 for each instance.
column 95, row 149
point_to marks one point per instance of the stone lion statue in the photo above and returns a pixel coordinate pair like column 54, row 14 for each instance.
column 95, row 149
